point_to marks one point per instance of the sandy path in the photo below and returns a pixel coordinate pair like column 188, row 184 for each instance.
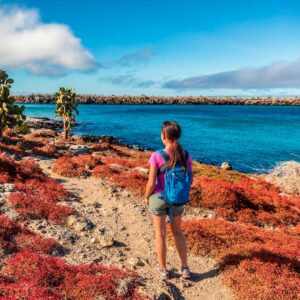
column 120, row 218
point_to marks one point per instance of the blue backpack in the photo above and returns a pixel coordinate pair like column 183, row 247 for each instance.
column 177, row 182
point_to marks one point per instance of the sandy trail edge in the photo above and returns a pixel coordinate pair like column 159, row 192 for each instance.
column 124, row 218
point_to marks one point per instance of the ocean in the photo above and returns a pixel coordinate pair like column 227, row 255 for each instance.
column 251, row 138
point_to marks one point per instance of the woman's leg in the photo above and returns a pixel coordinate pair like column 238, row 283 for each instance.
column 160, row 240
column 179, row 240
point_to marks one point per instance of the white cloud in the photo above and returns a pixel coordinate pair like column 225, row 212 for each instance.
column 275, row 75
column 41, row 48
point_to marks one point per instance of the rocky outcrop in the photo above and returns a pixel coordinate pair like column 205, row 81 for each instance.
column 45, row 123
column 201, row 100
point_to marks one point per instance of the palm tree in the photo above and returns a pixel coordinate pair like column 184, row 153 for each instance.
column 66, row 108
column 11, row 115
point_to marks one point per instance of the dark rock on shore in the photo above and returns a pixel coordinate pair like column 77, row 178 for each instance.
column 201, row 100
column 45, row 123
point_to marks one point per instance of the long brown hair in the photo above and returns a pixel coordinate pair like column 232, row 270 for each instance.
column 171, row 130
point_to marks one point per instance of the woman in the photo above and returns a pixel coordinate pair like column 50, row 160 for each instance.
column 170, row 134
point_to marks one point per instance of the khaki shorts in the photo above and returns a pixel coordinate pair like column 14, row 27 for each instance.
column 159, row 207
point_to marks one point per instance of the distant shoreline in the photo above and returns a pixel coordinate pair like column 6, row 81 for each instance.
column 159, row 100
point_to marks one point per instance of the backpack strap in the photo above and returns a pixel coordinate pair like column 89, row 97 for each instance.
column 166, row 158
column 186, row 154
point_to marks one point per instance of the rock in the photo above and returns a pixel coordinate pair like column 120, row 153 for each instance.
column 141, row 99
column 11, row 214
column 97, row 205
column 114, row 189
column 124, row 286
column 136, row 262
column 226, row 166
column 9, row 187
column 59, row 251
column 80, row 224
column 71, row 220
column 104, row 241
column 142, row 170
column 185, row 284
column 43, row 123
column 211, row 216
column 102, row 231
column 79, row 149
column 161, row 296
column 89, row 225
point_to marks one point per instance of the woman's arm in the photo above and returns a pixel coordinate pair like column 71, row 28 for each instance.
column 151, row 183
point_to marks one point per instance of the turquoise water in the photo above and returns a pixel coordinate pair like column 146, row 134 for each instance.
column 252, row 138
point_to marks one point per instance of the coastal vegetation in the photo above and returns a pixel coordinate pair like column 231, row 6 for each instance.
column 66, row 108
column 11, row 115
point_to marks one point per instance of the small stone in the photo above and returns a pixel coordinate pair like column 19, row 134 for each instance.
column 114, row 189
column 9, row 187
column 104, row 241
column 185, row 284
column 211, row 216
column 136, row 262
column 102, row 231
column 71, row 220
column 226, row 166
column 89, row 225
column 97, row 205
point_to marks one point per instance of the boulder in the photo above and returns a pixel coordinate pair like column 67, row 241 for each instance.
column 226, row 166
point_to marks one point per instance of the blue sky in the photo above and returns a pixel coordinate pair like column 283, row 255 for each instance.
column 152, row 47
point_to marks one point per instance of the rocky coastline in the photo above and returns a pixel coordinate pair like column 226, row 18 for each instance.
column 37, row 123
column 199, row 100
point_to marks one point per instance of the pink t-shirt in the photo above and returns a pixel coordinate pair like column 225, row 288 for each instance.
column 157, row 161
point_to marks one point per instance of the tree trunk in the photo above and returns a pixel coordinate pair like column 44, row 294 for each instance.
column 65, row 129
column 1, row 134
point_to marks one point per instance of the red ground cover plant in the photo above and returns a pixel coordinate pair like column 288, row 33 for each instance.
column 13, row 171
column 75, row 166
column 248, row 200
column 50, row 276
column 126, row 162
column 87, row 160
column 14, row 238
column 66, row 166
column 105, row 171
column 47, row 150
column 13, row 149
column 36, row 139
column 101, row 146
column 257, row 263
column 35, row 199
column 254, row 279
column 132, row 180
